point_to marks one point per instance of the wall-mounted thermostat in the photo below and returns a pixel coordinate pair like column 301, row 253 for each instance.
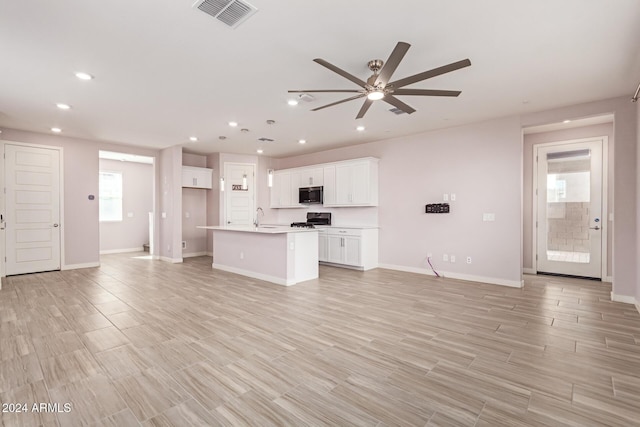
column 437, row 208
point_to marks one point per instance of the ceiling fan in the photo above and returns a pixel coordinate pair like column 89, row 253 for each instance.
column 378, row 87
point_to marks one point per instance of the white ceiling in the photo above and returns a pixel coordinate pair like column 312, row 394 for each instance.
column 166, row 71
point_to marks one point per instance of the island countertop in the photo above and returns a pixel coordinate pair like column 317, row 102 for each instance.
column 264, row 229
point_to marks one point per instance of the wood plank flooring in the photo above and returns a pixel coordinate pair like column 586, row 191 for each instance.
column 141, row 342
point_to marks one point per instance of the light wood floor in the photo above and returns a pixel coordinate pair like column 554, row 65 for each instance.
column 141, row 342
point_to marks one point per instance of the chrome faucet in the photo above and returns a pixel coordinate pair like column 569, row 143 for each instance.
column 257, row 221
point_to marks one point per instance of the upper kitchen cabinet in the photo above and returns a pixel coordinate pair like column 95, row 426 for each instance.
column 284, row 192
column 347, row 183
column 351, row 183
column 310, row 177
column 195, row 177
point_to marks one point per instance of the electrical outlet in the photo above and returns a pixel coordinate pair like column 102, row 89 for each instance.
column 187, row 215
column 452, row 258
column 468, row 260
column 453, row 197
column 445, row 257
column 241, row 255
column 445, row 197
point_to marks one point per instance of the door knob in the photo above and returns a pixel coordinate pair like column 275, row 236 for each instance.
column 55, row 225
column 595, row 228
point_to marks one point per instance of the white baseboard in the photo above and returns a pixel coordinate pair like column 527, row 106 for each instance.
column 193, row 254
column 638, row 307
column 254, row 275
column 78, row 266
column 529, row 271
column 457, row 276
column 171, row 260
column 121, row 251
column 624, row 298
column 209, row 253
column 607, row 279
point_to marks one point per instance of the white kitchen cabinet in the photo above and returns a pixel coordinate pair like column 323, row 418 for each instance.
column 311, row 177
column 196, row 177
column 347, row 183
column 355, row 183
column 284, row 192
column 323, row 250
column 350, row 247
column 329, row 188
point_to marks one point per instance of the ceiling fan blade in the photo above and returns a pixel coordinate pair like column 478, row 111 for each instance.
column 341, row 72
column 364, row 109
column 426, row 92
column 431, row 73
column 339, row 102
column 398, row 104
column 392, row 63
column 327, row 90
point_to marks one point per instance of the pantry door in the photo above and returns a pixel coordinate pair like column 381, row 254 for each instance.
column 33, row 229
column 239, row 198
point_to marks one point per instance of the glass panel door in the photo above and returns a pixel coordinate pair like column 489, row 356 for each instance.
column 569, row 209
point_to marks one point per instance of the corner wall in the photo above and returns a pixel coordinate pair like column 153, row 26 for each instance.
column 481, row 163
column 625, row 176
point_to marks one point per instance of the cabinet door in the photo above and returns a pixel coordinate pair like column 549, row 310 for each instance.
column 335, row 249
column 329, row 196
column 296, row 182
column 281, row 190
column 352, row 251
column 360, row 183
column 323, row 250
column 343, row 185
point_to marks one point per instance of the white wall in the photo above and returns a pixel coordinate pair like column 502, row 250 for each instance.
column 137, row 199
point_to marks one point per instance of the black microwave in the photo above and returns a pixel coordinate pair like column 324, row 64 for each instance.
column 310, row 195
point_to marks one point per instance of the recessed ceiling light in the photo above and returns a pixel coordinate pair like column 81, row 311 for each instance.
column 56, row 130
column 360, row 128
column 84, row 76
column 567, row 121
column 259, row 151
column 233, row 124
column 302, row 141
column 292, row 102
column 63, row 106
column 193, row 138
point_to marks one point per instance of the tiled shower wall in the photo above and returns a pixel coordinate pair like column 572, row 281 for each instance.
column 568, row 226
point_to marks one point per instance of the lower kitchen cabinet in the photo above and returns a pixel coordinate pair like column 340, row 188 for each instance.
column 349, row 247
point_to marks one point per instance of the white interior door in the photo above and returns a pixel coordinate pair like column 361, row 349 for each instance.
column 32, row 179
column 569, row 209
column 239, row 199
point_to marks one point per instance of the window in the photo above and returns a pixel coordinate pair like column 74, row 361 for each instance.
column 110, row 196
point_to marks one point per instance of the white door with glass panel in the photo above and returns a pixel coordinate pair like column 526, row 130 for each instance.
column 569, row 208
column 239, row 190
column 32, row 179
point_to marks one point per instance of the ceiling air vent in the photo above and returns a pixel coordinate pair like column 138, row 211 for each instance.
column 396, row 111
column 230, row 12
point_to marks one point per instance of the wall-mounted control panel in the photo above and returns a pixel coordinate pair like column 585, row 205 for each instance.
column 437, row 208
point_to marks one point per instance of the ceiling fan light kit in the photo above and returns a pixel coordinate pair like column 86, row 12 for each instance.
column 378, row 87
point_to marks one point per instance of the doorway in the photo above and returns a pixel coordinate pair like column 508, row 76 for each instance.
column 240, row 193
column 33, row 210
column 570, row 187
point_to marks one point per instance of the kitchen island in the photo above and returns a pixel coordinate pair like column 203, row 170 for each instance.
column 277, row 254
